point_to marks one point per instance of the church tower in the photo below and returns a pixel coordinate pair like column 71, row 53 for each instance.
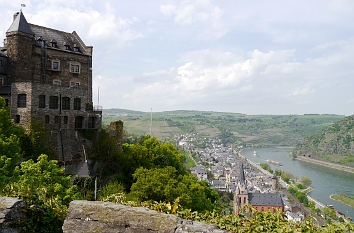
column 241, row 192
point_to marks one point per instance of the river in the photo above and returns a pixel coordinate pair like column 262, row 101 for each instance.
column 325, row 181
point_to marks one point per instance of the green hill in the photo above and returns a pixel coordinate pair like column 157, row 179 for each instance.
column 333, row 144
column 262, row 130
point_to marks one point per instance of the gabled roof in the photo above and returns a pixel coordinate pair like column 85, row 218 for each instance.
column 20, row 25
column 265, row 199
column 61, row 38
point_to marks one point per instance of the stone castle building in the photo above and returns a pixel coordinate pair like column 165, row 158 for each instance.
column 259, row 201
column 46, row 75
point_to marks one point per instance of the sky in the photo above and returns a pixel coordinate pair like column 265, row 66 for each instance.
column 253, row 57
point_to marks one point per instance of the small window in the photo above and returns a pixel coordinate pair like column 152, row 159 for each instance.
column 65, row 120
column 55, row 65
column 56, row 82
column 21, row 100
column 17, row 119
column 78, row 122
column 74, row 68
column 91, row 122
column 75, row 84
column 53, row 102
column 76, row 48
column 54, row 44
column 46, row 119
column 77, row 104
column 57, row 119
column 67, row 47
column 41, row 101
column 7, row 102
column 1, row 80
column 66, row 103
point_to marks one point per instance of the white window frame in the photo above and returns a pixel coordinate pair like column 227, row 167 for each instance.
column 56, row 82
column 58, row 65
column 75, row 65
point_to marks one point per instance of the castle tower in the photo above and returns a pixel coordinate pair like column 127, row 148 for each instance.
column 19, row 45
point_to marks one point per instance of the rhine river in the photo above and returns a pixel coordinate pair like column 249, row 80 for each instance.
column 325, row 181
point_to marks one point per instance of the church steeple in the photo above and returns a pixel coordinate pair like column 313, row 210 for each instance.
column 20, row 24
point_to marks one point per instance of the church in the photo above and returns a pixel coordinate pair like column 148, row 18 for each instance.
column 259, row 201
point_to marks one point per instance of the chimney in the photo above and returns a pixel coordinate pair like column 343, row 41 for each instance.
column 15, row 15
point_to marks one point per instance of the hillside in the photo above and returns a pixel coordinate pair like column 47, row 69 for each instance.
column 333, row 144
column 262, row 130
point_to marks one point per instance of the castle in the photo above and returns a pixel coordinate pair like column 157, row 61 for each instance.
column 46, row 76
column 259, row 201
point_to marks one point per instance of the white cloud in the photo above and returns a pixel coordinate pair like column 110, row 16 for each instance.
column 302, row 91
column 199, row 12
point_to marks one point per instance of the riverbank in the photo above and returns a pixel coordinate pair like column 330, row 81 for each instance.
column 326, row 164
column 349, row 201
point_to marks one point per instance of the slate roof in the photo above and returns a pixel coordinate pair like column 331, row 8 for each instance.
column 61, row 38
column 20, row 25
column 265, row 199
column 242, row 174
column 49, row 35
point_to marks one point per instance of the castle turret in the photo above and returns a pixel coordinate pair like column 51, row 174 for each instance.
column 19, row 45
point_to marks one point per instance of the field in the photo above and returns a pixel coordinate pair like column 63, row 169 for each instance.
column 261, row 130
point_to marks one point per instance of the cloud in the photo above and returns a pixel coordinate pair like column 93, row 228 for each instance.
column 197, row 12
column 302, row 91
column 218, row 80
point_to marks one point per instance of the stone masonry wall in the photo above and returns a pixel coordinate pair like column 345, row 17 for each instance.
column 105, row 217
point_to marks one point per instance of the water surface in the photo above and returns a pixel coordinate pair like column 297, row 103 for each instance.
column 326, row 181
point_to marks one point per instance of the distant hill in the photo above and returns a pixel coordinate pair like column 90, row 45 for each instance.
column 334, row 143
column 237, row 128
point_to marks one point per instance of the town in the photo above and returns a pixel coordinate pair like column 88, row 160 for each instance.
column 223, row 167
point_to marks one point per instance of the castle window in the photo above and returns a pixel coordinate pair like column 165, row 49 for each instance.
column 41, row 101
column 66, row 103
column 57, row 119
column 1, row 81
column 7, row 102
column 46, row 119
column 78, row 122
column 74, row 84
column 67, row 47
column 21, row 100
column 76, row 48
column 74, row 68
column 54, row 44
column 65, row 120
column 55, row 65
column 56, row 82
column 91, row 122
column 53, row 102
column 17, row 119
column 77, row 104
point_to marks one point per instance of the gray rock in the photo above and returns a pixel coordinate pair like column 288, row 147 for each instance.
column 11, row 214
column 89, row 216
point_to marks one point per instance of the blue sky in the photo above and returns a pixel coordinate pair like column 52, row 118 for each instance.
column 255, row 57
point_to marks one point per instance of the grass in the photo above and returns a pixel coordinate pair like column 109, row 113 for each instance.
column 347, row 200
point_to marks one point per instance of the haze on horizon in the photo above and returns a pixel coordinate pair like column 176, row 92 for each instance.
column 253, row 57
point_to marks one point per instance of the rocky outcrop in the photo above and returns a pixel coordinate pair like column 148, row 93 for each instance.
column 96, row 216
column 11, row 214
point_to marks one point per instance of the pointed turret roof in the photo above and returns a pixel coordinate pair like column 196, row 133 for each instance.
column 20, row 25
column 242, row 174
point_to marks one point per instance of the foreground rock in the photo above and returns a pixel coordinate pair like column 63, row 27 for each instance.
column 96, row 216
column 11, row 214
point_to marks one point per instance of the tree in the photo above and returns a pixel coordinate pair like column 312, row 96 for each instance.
column 305, row 181
column 166, row 184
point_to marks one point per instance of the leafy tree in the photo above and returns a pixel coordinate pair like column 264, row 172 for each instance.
column 166, row 184
column 305, row 181
column 47, row 192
